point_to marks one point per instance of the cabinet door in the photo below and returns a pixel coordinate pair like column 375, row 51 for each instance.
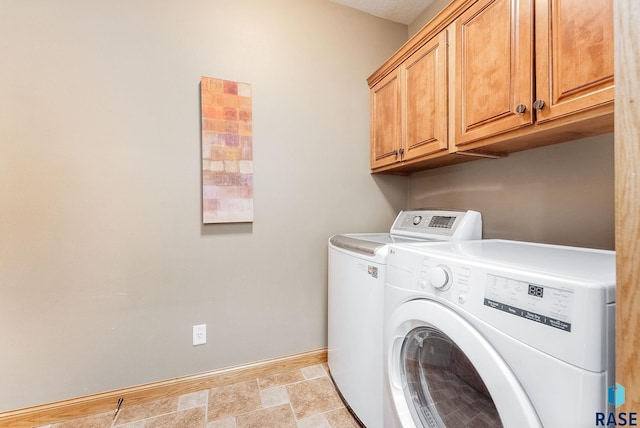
column 385, row 121
column 424, row 101
column 494, row 69
column 574, row 56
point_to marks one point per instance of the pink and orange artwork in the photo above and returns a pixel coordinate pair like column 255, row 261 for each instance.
column 227, row 158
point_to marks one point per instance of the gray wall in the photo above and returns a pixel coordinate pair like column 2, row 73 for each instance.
column 561, row 194
column 104, row 264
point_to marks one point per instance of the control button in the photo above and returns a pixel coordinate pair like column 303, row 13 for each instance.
column 462, row 299
column 422, row 284
column 417, row 219
column 439, row 277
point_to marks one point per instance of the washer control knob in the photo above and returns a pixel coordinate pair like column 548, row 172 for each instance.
column 439, row 277
column 417, row 219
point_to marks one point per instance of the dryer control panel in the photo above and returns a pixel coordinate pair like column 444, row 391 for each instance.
column 542, row 304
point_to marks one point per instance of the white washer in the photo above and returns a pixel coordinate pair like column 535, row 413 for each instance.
column 357, row 266
column 498, row 333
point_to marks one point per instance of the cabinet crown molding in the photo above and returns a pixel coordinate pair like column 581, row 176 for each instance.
column 431, row 29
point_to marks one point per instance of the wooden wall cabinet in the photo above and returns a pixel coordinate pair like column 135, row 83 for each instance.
column 574, row 56
column 498, row 88
column 385, row 121
column 494, row 69
column 490, row 77
column 409, row 108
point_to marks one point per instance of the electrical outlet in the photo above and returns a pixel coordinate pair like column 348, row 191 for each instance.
column 200, row 334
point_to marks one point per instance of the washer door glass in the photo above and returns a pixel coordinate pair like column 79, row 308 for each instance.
column 441, row 386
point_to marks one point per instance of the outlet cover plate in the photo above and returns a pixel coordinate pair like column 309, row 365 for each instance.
column 200, row 334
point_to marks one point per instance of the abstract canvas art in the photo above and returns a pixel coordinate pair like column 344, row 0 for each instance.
column 227, row 156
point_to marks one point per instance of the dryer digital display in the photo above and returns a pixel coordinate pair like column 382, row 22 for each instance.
column 536, row 290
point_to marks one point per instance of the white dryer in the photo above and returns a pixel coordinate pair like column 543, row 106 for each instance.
column 498, row 333
column 357, row 266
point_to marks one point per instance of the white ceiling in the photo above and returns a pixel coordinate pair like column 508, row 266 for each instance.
column 403, row 11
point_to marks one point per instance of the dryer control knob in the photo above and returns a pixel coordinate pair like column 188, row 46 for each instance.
column 439, row 277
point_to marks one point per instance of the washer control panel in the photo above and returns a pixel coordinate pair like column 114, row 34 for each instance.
column 438, row 224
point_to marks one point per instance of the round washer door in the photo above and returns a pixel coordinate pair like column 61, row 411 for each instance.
column 441, row 372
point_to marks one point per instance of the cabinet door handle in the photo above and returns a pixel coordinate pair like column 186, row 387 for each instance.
column 538, row 104
column 401, row 153
column 521, row 108
column 395, row 153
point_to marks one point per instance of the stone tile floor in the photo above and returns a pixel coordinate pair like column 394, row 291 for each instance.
column 301, row 398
